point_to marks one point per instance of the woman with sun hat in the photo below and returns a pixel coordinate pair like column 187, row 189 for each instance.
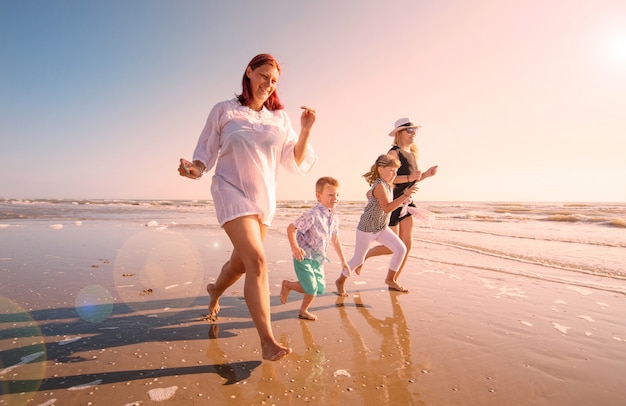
column 403, row 149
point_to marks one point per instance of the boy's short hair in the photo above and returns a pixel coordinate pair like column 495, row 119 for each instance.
column 323, row 181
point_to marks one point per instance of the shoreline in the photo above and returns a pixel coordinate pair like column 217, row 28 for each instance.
column 461, row 336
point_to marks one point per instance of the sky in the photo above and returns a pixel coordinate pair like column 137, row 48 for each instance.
column 518, row 100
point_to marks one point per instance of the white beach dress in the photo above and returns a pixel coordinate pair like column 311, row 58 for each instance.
column 250, row 146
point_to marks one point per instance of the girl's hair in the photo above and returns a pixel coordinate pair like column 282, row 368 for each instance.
column 413, row 146
column 323, row 181
column 384, row 161
column 272, row 102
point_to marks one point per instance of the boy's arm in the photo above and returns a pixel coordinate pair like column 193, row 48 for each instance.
column 298, row 253
column 339, row 250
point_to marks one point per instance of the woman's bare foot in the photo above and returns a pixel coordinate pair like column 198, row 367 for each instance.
column 214, row 306
column 284, row 292
column 357, row 270
column 273, row 351
column 341, row 290
column 393, row 285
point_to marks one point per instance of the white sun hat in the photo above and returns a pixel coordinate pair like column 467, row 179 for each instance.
column 402, row 124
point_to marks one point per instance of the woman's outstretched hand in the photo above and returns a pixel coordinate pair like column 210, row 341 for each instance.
column 432, row 171
column 188, row 169
column 307, row 118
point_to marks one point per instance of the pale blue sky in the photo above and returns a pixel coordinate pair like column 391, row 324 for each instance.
column 519, row 101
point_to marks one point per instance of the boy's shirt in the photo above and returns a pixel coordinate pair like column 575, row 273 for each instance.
column 315, row 229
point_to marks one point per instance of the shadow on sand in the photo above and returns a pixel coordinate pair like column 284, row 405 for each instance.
column 45, row 330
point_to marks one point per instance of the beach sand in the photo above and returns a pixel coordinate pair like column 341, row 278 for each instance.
column 107, row 314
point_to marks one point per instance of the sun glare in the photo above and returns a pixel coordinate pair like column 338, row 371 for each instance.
column 617, row 48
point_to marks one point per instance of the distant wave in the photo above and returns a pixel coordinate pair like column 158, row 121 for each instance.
column 529, row 260
column 563, row 238
column 620, row 223
column 110, row 202
column 576, row 217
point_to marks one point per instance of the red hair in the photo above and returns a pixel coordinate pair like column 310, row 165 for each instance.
column 272, row 102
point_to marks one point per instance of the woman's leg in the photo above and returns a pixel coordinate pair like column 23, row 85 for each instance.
column 405, row 233
column 247, row 234
column 230, row 273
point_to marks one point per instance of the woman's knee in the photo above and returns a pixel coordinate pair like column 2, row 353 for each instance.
column 252, row 261
column 256, row 263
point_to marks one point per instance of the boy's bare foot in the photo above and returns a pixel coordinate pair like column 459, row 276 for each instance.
column 284, row 292
column 393, row 285
column 341, row 290
column 274, row 351
column 357, row 270
column 214, row 306
column 307, row 316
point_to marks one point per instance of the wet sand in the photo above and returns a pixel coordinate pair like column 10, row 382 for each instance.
column 114, row 314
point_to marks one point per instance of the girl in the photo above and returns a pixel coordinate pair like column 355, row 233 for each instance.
column 373, row 224
column 403, row 218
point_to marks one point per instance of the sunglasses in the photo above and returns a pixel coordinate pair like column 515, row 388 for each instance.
column 411, row 130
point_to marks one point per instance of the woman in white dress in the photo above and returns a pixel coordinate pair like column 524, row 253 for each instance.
column 247, row 138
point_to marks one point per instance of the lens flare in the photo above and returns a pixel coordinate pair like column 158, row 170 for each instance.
column 617, row 48
column 158, row 269
column 94, row 303
column 23, row 356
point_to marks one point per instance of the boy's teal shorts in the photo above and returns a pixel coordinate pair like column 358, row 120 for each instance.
column 310, row 274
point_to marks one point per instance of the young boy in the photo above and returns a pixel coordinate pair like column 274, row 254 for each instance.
column 309, row 236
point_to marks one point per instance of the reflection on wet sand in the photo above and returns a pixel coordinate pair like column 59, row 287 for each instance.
column 233, row 373
column 389, row 368
column 368, row 361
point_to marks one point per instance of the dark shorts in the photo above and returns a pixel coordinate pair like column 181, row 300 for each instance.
column 395, row 218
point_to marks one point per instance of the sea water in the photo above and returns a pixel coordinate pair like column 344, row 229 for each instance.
column 579, row 243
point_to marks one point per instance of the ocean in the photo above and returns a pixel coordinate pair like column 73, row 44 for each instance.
column 581, row 244
column 509, row 303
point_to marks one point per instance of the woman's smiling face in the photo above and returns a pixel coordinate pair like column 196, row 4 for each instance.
column 263, row 81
